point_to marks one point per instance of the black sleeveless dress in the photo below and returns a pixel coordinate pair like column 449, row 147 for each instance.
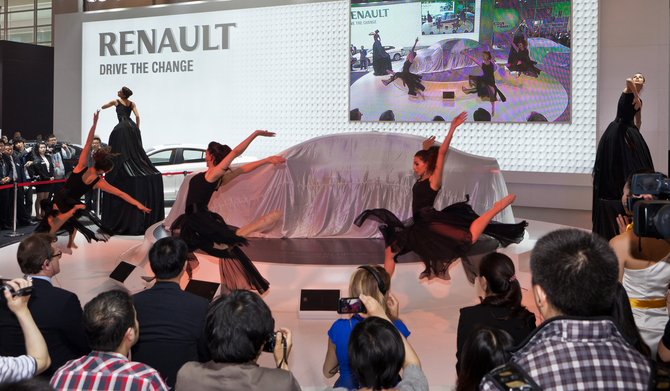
column 439, row 237
column 201, row 229
column 135, row 175
column 485, row 85
column 621, row 150
column 83, row 220
column 527, row 66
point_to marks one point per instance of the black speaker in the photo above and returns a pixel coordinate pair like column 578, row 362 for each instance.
column 122, row 271
column 319, row 299
column 448, row 95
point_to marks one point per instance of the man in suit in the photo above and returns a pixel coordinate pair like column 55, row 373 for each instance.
column 17, row 175
column 171, row 320
column 57, row 312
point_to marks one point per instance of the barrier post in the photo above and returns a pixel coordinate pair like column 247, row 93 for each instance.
column 97, row 205
column 14, row 234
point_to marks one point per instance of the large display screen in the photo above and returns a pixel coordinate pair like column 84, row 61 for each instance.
column 499, row 60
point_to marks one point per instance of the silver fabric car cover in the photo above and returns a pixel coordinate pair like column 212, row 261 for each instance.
column 447, row 55
column 328, row 181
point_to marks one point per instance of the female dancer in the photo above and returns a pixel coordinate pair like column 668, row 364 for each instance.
column 519, row 60
column 621, row 150
column 133, row 174
column 439, row 237
column 43, row 166
column 412, row 81
column 381, row 61
column 205, row 230
column 485, row 85
column 79, row 183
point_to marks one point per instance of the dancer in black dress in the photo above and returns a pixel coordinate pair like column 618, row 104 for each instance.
column 411, row 80
column 205, row 230
column 439, row 237
column 381, row 61
column 133, row 173
column 519, row 60
column 68, row 212
column 485, row 85
column 621, row 150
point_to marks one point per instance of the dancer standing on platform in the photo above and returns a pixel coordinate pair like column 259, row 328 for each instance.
column 133, row 173
column 621, row 150
column 485, row 85
column 68, row 212
column 411, row 80
column 439, row 236
column 381, row 61
column 203, row 229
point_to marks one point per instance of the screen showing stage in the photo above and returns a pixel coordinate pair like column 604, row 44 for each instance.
column 499, row 60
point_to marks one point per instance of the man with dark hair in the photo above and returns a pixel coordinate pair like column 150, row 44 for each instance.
column 16, row 175
column 575, row 275
column 237, row 327
column 23, row 158
column 59, row 154
column 6, row 171
column 171, row 320
column 56, row 311
column 111, row 330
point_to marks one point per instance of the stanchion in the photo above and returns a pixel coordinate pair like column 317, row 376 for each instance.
column 97, row 205
column 15, row 234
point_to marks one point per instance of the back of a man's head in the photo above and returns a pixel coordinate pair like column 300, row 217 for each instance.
column 577, row 270
column 236, row 327
column 33, row 251
column 107, row 318
column 167, row 257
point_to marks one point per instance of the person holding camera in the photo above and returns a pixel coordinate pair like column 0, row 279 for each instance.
column 644, row 271
column 59, row 153
column 238, row 328
column 369, row 280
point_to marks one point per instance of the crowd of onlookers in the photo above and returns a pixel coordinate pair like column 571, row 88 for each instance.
column 164, row 338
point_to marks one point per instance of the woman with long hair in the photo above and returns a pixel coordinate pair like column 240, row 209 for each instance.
column 372, row 281
column 82, row 180
column 500, row 307
column 519, row 60
column 621, row 150
column 483, row 350
column 485, row 85
column 42, row 167
column 439, row 237
column 411, row 80
column 205, row 230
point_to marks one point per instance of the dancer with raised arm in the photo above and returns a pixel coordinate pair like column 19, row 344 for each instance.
column 411, row 80
column 205, row 230
column 484, row 85
column 439, row 237
column 68, row 212
column 519, row 60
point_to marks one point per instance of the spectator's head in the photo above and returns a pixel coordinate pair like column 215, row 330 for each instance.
column 17, row 134
column 498, row 279
column 8, row 149
column 216, row 153
column 168, row 257
column 483, row 350
column 2, row 145
column 355, row 115
column 387, row 116
column 373, row 281
column 102, row 160
column 39, row 149
column 574, row 273
column 481, row 115
column 51, row 140
column 534, row 116
column 376, row 353
column 31, row 384
column 96, row 143
column 125, row 93
column 236, row 327
column 38, row 137
column 19, row 144
column 623, row 316
column 4, row 139
column 438, row 118
column 38, row 254
column 110, row 323
column 425, row 161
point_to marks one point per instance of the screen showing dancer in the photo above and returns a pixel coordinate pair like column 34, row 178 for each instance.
column 425, row 59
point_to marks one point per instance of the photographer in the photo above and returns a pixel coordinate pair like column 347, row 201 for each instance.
column 644, row 271
column 237, row 328
column 59, row 153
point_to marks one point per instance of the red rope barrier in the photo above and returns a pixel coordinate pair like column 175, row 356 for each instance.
column 32, row 183
column 176, row 173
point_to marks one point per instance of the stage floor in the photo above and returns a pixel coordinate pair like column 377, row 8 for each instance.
column 429, row 309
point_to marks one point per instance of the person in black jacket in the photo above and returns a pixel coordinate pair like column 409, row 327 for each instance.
column 43, row 170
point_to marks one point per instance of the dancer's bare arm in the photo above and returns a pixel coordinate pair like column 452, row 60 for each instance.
column 436, row 177
column 110, row 104
column 214, row 174
column 106, row 187
column 137, row 115
column 631, row 87
column 249, row 167
column 86, row 150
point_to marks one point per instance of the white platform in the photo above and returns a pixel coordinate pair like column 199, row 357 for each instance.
column 429, row 309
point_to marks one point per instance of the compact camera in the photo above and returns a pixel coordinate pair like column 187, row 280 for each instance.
column 27, row 291
column 350, row 305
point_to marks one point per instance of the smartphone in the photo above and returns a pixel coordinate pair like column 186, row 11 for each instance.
column 350, row 305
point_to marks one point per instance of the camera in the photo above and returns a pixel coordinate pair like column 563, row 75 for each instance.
column 27, row 291
column 350, row 305
column 651, row 219
column 270, row 341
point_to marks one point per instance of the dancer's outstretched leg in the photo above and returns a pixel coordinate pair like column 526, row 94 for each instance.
column 389, row 262
column 259, row 224
column 479, row 225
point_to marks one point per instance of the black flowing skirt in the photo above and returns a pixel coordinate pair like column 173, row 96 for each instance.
column 440, row 237
column 203, row 229
column 621, row 150
column 83, row 220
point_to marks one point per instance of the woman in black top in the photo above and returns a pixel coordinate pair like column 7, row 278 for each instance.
column 484, row 85
column 43, row 167
column 411, row 80
column 501, row 307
